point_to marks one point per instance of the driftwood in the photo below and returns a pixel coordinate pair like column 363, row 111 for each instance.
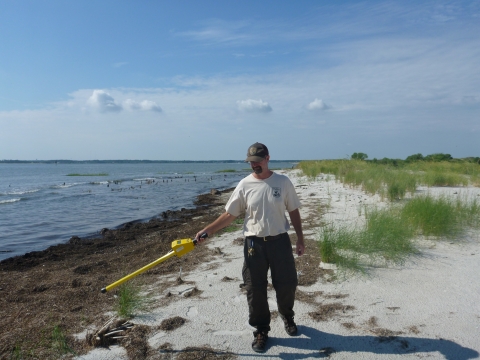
column 109, row 333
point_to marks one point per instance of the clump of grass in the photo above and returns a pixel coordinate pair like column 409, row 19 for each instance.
column 230, row 228
column 327, row 246
column 384, row 239
column 442, row 216
column 386, row 236
column 59, row 341
column 335, row 247
column 76, row 174
column 234, row 226
column 437, row 178
column 226, row 171
column 17, row 353
column 129, row 300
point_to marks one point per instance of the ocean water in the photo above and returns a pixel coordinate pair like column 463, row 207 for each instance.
column 40, row 205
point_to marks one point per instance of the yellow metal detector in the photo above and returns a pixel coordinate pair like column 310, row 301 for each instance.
column 179, row 248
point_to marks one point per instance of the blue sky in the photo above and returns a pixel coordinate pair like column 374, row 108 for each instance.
column 202, row 80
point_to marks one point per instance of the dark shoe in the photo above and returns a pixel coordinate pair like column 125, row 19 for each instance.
column 290, row 326
column 260, row 341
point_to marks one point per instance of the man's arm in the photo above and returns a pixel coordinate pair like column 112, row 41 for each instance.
column 222, row 221
column 297, row 225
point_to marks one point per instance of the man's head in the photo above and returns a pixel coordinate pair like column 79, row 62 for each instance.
column 257, row 152
column 258, row 157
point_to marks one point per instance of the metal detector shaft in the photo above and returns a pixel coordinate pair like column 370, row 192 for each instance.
column 138, row 272
column 179, row 248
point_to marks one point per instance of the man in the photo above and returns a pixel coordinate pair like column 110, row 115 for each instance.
column 264, row 196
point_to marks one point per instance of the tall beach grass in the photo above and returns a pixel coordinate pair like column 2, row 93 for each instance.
column 382, row 240
column 389, row 235
column 129, row 300
column 394, row 182
column 441, row 216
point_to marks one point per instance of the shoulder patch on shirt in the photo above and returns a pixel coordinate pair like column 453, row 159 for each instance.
column 276, row 192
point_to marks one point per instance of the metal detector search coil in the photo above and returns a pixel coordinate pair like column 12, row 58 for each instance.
column 179, row 248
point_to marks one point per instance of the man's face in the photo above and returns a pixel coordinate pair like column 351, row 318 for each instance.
column 259, row 167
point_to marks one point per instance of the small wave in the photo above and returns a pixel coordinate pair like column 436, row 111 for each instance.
column 23, row 192
column 9, row 201
column 64, row 186
column 144, row 179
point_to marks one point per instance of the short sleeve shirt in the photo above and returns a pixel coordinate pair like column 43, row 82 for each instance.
column 264, row 202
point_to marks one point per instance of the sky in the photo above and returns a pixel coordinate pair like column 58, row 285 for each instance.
column 203, row 80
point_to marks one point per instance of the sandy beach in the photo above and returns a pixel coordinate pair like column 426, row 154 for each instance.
column 426, row 308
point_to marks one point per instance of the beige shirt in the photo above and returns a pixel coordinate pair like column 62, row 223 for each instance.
column 264, row 202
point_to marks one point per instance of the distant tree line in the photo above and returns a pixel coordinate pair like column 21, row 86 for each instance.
column 413, row 158
column 126, row 161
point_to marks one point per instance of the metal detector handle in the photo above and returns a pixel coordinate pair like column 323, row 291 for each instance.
column 203, row 236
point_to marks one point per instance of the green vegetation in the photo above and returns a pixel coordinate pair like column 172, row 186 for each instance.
column 359, row 156
column 17, row 353
column 388, row 235
column 129, row 300
column 442, row 216
column 395, row 178
column 100, row 174
column 383, row 239
column 59, row 341
column 234, row 226
column 226, row 171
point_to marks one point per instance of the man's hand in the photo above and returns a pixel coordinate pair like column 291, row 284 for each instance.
column 297, row 225
column 201, row 236
column 223, row 220
column 300, row 247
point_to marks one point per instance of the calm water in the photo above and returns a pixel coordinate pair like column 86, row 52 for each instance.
column 41, row 206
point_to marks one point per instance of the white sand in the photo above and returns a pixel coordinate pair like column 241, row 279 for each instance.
column 432, row 303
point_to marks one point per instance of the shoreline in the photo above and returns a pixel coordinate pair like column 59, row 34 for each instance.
column 427, row 307
column 166, row 215
column 60, row 286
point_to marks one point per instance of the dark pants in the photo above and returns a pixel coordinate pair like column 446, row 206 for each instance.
column 278, row 256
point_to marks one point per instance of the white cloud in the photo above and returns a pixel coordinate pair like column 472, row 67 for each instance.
column 131, row 104
column 149, row 105
column 317, row 104
column 251, row 105
column 103, row 102
column 146, row 105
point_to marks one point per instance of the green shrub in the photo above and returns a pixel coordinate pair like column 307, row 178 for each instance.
column 359, row 156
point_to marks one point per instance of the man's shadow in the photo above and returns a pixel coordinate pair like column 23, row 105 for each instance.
column 315, row 341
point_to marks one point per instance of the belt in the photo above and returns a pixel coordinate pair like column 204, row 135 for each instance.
column 266, row 238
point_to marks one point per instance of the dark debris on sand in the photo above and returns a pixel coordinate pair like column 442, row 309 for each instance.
column 204, row 353
column 172, row 323
column 166, row 352
column 59, row 288
column 326, row 312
